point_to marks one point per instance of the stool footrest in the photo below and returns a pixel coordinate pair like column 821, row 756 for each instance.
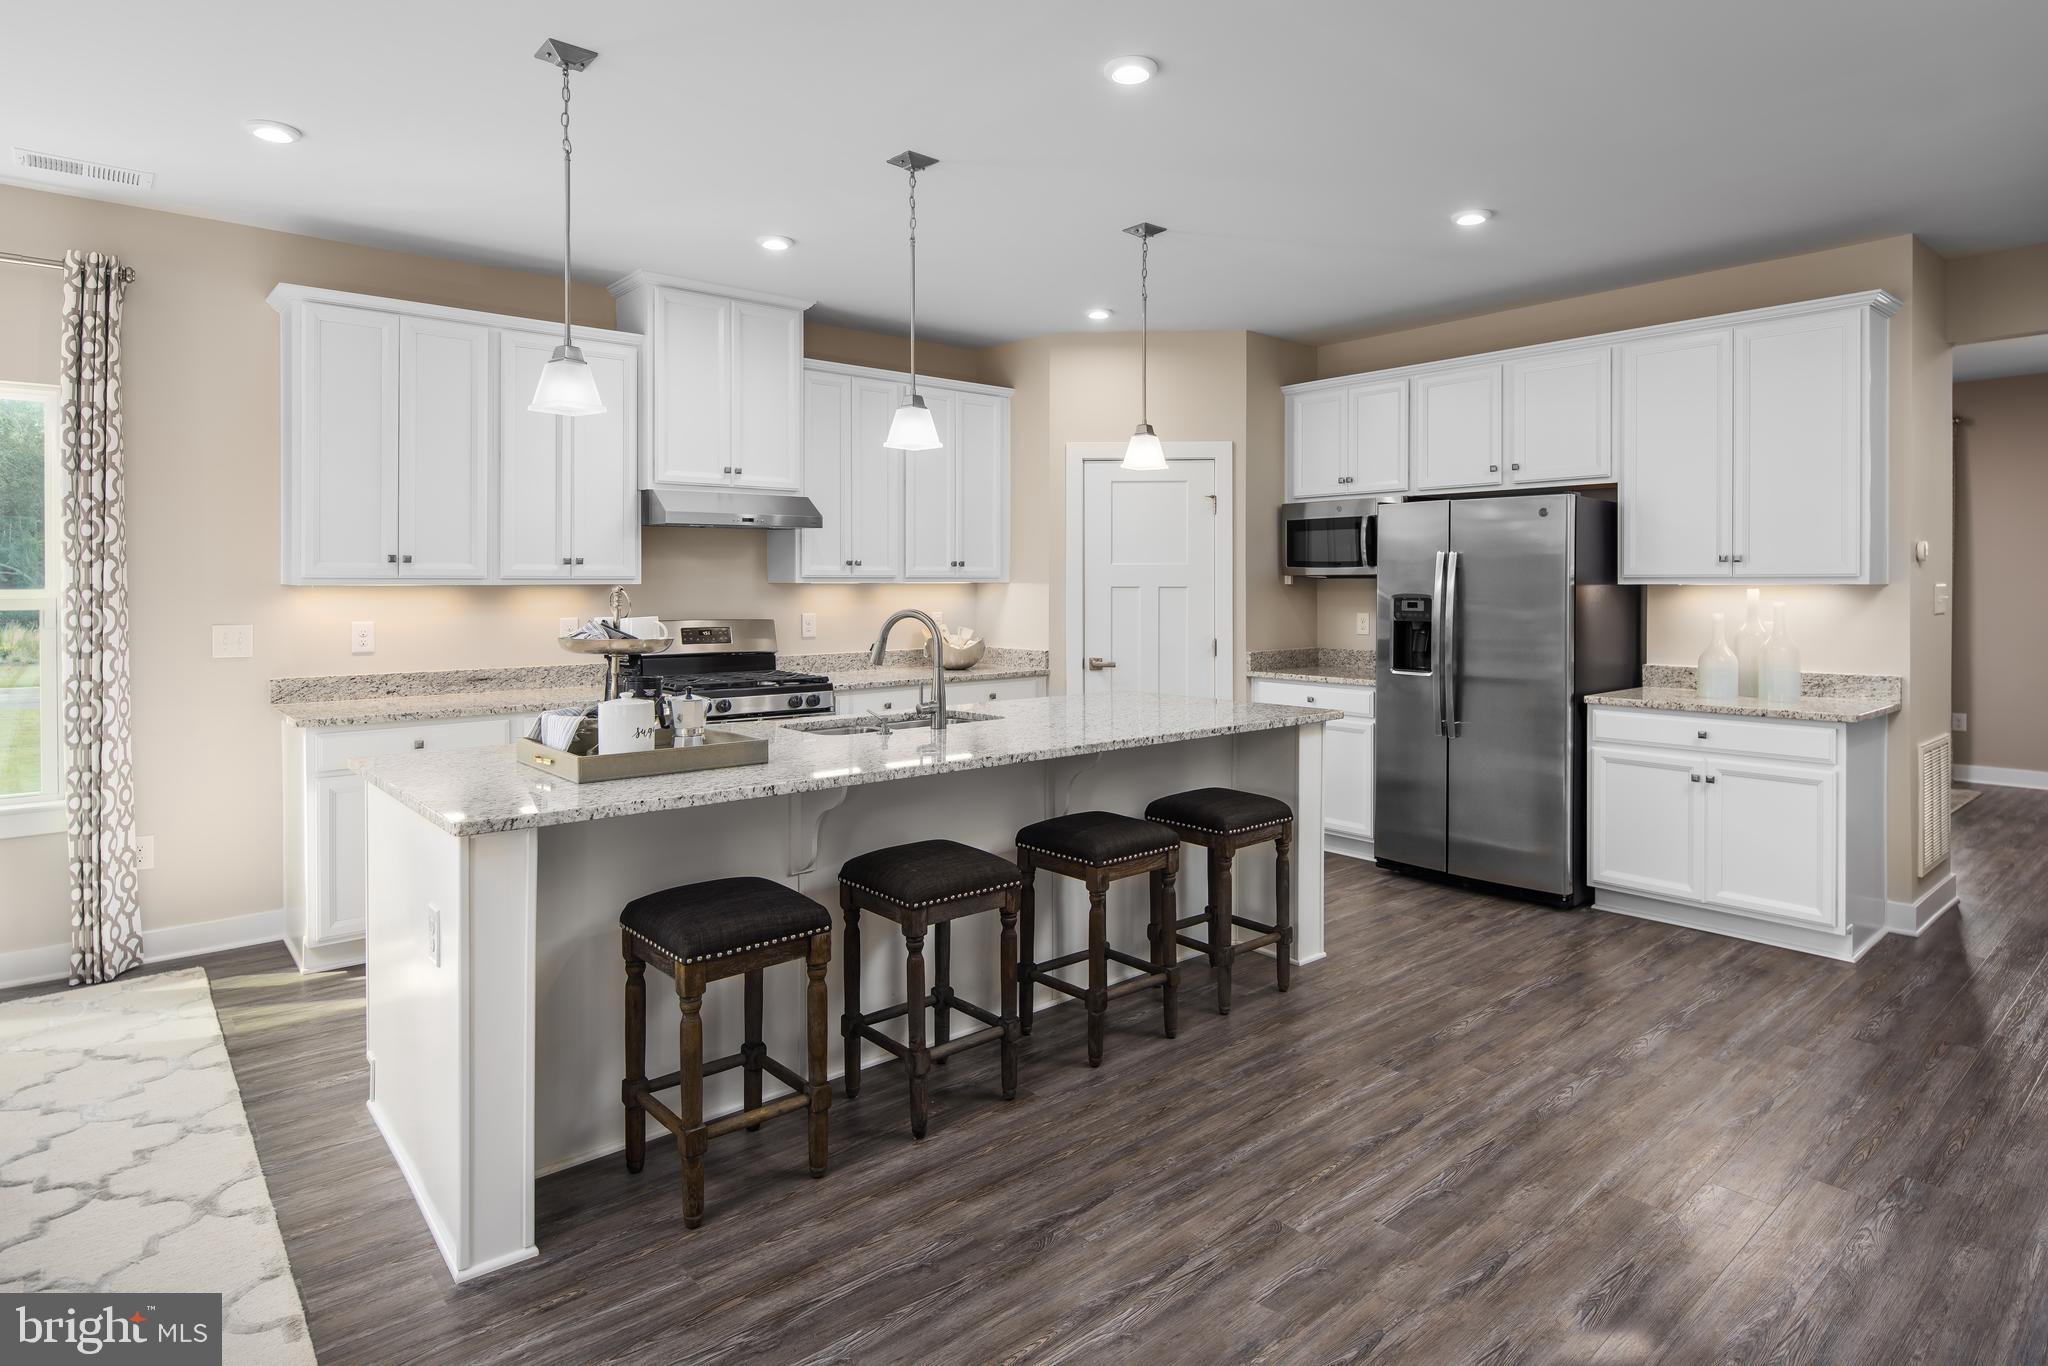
column 1148, row 977
column 1261, row 926
column 1199, row 918
column 1130, row 960
column 947, row 1049
column 746, row 1119
column 1188, row 941
column 787, row 1076
column 975, row 1012
column 1065, row 960
column 881, row 1040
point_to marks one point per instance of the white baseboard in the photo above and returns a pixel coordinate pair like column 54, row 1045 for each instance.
column 2000, row 777
column 1350, row 846
column 52, row 962
column 1913, row 917
column 444, row 1241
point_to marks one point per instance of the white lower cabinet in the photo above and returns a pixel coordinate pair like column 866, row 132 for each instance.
column 960, row 692
column 1348, row 749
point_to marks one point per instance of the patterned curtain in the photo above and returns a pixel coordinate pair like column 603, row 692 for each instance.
column 106, row 922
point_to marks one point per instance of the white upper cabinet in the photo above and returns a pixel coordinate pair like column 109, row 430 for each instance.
column 827, row 450
column 1458, row 429
column 932, row 496
column 409, row 454
column 721, row 384
column 1560, row 417
column 1348, row 441
column 1315, row 444
column 981, row 432
column 873, row 524
column 1675, row 441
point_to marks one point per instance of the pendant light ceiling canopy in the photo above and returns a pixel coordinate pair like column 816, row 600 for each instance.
column 912, row 429
column 1144, row 452
column 567, row 388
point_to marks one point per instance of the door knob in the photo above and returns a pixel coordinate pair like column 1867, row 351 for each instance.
column 1097, row 662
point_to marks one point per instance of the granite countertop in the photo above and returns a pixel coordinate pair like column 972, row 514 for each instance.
column 1314, row 666
column 903, row 675
column 391, row 711
column 478, row 791
column 1824, row 697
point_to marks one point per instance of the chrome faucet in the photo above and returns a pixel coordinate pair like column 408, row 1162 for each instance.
column 936, row 708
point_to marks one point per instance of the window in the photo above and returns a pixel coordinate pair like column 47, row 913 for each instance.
column 31, row 559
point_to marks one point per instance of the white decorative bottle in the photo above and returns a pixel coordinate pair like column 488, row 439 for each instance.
column 1781, row 658
column 1717, row 673
column 1749, row 646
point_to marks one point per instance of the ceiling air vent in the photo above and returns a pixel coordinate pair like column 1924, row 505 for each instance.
column 98, row 172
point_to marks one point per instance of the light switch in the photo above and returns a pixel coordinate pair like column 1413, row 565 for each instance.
column 233, row 642
column 1941, row 599
column 807, row 626
column 362, row 637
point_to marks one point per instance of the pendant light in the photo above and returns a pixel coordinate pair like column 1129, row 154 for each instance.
column 912, row 429
column 1144, row 452
column 566, row 388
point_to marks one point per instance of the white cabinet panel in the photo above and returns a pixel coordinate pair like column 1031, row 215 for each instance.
column 568, row 498
column 342, row 387
column 981, row 458
column 960, row 690
column 1676, row 401
column 532, row 527
column 1458, row 428
column 1348, row 776
column 768, row 362
column 335, row 910
column 888, row 701
column 1799, row 448
column 932, row 497
column 828, row 430
column 1315, row 443
column 1772, row 842
column 1645, row 830
column 1560, row 417
column 1376, row 437
column 604, row 492
column 444, row 449
column 690, row 370
column 874, row 484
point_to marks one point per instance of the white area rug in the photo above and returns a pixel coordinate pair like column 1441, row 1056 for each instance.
column 126, row 1162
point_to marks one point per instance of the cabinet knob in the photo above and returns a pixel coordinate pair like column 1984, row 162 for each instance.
column 860, row 564
column 1721, row 559
column 1710, row 777
column 1516, row 465
column 405, row 559
column 1311, row 697
column 1738, row 559
column 728, row 469
column 1695, row 777
column 419, row 744
column 1703, row 735
column 567, row 560
column 1493, row 469
column 391, row 558
column 579, row 559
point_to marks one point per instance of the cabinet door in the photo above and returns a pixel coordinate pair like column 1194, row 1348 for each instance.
column 874, row 484
column 533, row 530
column 336, row 912
column 604, row 490
column 1315, row 443
column 1457, row 429
column 690, row 351
column 1800, row 454
column 1676, row 405
column 1644, row 822
column 444, row 449
column 1773, row 845
column 1347, row 776
column 1560, row 424
column 767, row 396
column 1376, row 437
column 344, row 449
column 981, row 463
column 931, row 500
column 825, row 552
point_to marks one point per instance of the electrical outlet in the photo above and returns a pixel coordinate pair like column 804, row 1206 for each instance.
column 1959, row 721
column 1365, row 623
column 433, row 934
column 233, row 642
column 1941, row 599
column 362, row 637
column 145, row 853
column 807, row 626
column 568, row 626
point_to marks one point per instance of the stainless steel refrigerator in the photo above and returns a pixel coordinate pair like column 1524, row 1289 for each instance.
column 1496, row 617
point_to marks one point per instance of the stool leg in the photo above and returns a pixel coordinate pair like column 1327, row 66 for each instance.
column 1220, row 929
column 1098, row 966
column 1027, row 951
column 917, row 1063
column 814, row 1019
column 1007, row 972
column 942, row 983
column 636, row 1061
column 849, row 974
column 1166, row 949
column 690, row 1109
column 1283, row 910
column 752, row 1050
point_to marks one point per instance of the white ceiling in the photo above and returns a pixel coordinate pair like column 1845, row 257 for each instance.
column 1304, row 156
column 2000, row 359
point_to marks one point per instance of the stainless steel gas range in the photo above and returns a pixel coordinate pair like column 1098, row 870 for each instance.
column 732, row 666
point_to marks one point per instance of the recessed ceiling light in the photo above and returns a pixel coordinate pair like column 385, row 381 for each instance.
column 1130, row 70
column 777, row 243
column 1098, row 315
column 1471, row 218
column 270, row 130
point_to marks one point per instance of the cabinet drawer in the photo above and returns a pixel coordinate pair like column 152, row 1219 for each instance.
column 1353, row 699
column 993, row 690
column 333, row 749
column 1715, row 734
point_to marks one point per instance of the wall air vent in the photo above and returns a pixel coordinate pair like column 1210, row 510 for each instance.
column 1935, row 781
column 73, row 168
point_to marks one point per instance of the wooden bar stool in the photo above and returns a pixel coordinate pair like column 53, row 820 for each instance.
column 1224, row 821
column 1101, row 847
column 703, row 932
column 927, row 886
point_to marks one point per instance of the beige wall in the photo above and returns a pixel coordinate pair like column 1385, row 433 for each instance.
column 201, row 386
column 1997, row 295
column 2001, row 571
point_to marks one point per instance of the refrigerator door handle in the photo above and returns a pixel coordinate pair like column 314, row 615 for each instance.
column 1448, row 673
column 1436, row 644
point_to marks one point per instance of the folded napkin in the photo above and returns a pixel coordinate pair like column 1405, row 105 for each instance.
column 561, row 728
column 599, row 629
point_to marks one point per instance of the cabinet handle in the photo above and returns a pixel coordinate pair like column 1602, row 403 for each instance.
column 1493, row 469
column 1738, row 559
column 1695, row 777
column 860, row 564
column 419, row 744
column 1311, row 697
column 1710, row 777
column 991, row 697
column 579, row 559
column 392, row 558
column 405, row 559
column 1703, row 735
column 728, row 469
column 1721, row 559
column 567, row 560
column 737, row 470
column 1516, row 465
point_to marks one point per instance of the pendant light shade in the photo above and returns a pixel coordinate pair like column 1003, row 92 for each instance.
column 567, row 387
column 1144, row 453
column 912, row 429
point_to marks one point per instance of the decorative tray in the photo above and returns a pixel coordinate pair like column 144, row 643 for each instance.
column 718, row 749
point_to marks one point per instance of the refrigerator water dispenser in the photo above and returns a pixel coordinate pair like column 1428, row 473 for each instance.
column 1411, row 633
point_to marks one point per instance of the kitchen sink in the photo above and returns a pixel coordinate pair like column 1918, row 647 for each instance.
column 882, row 725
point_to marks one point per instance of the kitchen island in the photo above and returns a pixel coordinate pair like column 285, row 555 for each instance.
column 494, row 975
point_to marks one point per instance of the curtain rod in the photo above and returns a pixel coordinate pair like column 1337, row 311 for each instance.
column 16, row 259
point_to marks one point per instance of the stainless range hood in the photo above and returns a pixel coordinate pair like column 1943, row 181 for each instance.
column 727, row 507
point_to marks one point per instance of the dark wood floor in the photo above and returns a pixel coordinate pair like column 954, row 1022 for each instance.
column 1476, row 1132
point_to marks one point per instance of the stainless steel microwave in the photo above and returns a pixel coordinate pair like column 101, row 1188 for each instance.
column 1337, row 538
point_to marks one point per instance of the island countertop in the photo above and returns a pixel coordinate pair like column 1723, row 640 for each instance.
column 480, row 791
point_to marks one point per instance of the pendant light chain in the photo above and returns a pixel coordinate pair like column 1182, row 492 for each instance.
column 1145, row 329
column 567, row 149
column 913, row 280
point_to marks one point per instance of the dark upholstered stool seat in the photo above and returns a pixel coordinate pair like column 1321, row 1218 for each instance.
column 1098, row 838
column 929, row 872
column 717, row 919
column 1219, row 811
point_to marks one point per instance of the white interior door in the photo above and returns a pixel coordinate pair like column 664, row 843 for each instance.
column 1149, row 589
